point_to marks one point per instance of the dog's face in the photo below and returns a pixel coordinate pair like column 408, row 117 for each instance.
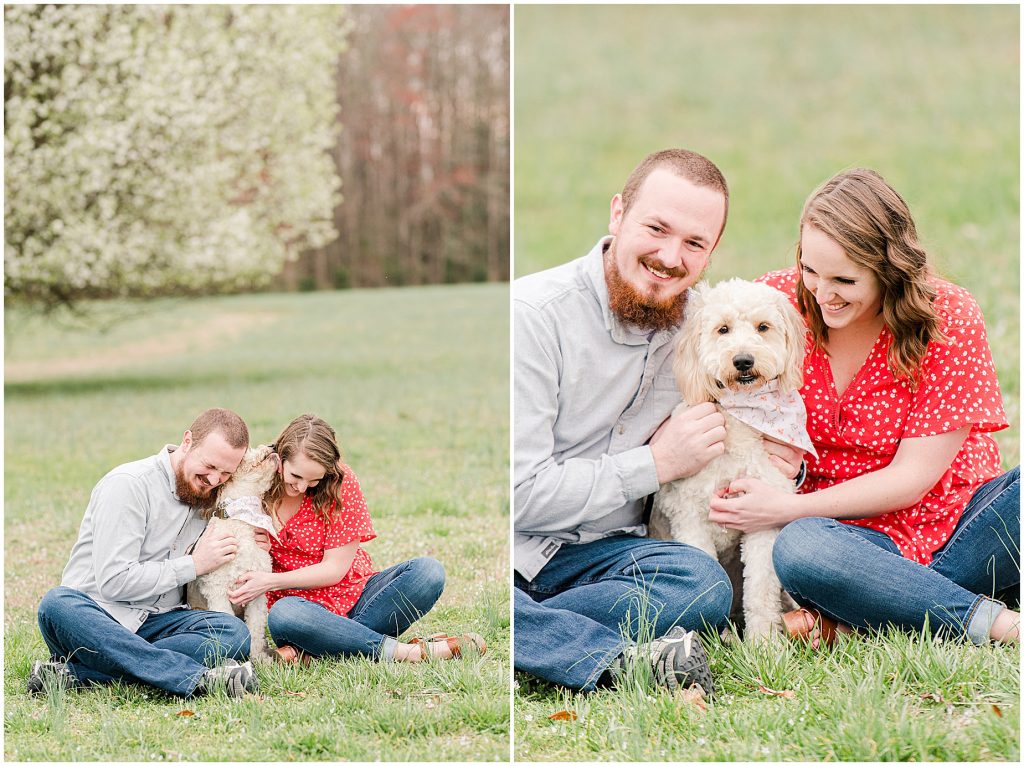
column 255, row 474
column 738, row 335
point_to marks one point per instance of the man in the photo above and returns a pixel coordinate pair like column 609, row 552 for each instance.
column 593, row 385
column 120, row 613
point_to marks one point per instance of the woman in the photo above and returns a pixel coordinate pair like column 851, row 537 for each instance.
column 324, row 596
column 905, row 517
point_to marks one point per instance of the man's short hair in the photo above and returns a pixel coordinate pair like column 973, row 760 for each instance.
column 695, row 168
column 225, row 422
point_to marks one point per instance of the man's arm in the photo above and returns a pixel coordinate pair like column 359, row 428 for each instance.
column 119, row 519
column 550, row 496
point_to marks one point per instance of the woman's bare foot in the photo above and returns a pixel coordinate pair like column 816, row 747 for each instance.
column 1006, row 627
column 438, row 647
column 809, row 625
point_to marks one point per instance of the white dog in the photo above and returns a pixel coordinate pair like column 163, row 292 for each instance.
column 241, row 502
column 742, row 347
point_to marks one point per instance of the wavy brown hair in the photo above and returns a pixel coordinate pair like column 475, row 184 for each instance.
column 870, row 221
column 310, row 436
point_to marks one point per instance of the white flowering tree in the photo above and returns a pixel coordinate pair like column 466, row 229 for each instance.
column 165, row 149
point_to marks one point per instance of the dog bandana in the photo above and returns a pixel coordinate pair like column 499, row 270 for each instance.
column 250, row 510
column 780, row 416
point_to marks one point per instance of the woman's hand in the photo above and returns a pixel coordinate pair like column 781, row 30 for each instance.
column 751, row 505
column 262, row 539
column 251, row 585
column 785, row 457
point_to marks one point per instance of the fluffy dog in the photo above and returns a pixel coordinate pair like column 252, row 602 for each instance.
column 741, row 347
column 241, row 502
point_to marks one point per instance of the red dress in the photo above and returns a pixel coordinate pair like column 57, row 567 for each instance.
column 860, row 431
column 306, row 536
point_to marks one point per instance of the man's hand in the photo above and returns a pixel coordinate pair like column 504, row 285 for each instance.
column 784, row 457
column 688, row 441
column 215, row 547
column 262, row 539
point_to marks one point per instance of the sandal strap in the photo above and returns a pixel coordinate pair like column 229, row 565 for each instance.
column 454, row 643
column 800, row 624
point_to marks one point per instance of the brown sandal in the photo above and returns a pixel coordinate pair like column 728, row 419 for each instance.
column 801, row 624
column 290, row 655
column 454, row 643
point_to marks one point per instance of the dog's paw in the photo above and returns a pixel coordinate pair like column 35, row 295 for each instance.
column 762, row 630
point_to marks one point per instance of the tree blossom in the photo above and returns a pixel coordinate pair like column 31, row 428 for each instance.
column 165, row 149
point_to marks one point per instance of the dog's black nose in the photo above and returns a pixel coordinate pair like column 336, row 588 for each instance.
column 743, row 362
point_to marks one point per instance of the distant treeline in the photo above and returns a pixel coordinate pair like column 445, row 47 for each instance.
column 423, row 153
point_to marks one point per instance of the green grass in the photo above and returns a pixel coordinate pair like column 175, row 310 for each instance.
column 782, row 98
column 415, row 382
column 872, row 698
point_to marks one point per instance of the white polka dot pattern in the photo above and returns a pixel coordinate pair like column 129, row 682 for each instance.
column 860, row 431
column 306, row 536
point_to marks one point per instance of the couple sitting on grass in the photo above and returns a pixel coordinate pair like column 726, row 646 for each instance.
column 120, row 613
column 904, row 518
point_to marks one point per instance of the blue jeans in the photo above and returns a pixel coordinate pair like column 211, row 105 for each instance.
column 589, row 600
column 170, row 651
column 391, row 601
column 858, row 576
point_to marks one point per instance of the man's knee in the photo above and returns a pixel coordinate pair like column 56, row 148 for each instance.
column 59, row 603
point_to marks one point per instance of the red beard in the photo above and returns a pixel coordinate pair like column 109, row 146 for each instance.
column 188, row 494
column 633, row 307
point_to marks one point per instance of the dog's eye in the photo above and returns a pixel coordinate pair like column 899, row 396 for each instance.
column 724, row 329
column 763, row 327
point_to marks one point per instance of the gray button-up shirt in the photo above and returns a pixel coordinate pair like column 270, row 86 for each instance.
column 589, row 393
column 130, row 556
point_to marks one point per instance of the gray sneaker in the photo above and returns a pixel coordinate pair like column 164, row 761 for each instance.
column 677, row 659
column 49, row 674
column 236, row 678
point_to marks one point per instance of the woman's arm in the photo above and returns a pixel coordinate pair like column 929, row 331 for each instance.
column 334, row 566
column 918, row 465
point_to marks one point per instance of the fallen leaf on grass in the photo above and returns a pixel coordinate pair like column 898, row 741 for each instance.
column 295, row 694
column 787, row 693
column 433, row 702
column 695, row 695
column 997, row 711
column 192, row 712
column 937, row 696
column 563, row 715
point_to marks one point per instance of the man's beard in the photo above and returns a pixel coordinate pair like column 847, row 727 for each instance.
column 633, row 307
column 188, row 494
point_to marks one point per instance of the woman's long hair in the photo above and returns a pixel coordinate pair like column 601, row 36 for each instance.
column 869, row 220
column 310, row 436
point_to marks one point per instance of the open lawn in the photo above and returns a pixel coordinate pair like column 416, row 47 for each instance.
column 782, row 98
column 415, row 382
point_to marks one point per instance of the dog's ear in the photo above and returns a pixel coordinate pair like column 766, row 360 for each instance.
column 792, row 376
column 686, row 366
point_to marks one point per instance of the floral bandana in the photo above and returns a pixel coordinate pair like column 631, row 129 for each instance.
column 780, row 416
column 250, row 510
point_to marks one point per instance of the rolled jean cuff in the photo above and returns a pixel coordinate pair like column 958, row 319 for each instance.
column 387, row 649
column 983, row 614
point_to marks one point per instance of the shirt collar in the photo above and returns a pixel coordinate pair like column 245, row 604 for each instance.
column 622, row 333
column 163, row 459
